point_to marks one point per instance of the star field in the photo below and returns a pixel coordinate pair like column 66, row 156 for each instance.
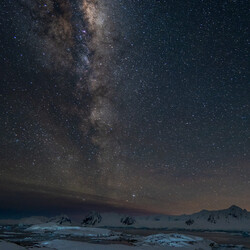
column 135, row 104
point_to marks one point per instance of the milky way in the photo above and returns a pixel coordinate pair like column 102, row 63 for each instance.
column 100, row 83
column 117, row 103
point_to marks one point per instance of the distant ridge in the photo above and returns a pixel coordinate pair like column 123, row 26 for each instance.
column 233, row 218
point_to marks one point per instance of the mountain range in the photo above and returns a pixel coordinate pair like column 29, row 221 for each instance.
column 233, row 218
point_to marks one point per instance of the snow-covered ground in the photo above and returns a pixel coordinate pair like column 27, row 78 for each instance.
column 171, row 240
column 53, row 236
column 61, row 233
column 159, row 241
column 175, row 240
column 10, row 246
column 70, row 230
column 162, row 243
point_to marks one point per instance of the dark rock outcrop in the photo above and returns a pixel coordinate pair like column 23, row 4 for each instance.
column 128, row 220
column 61, row 220
column 92, row 219
column 211, row 219
column 189, row 222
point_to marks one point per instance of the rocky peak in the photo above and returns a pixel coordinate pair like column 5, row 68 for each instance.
column 61, row 220
column 235, row 208
column 92, row 218
column 127, row 220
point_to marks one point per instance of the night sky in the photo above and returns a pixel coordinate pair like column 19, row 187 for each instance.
column 124, row 104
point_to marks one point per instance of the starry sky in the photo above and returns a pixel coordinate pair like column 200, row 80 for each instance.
column 124, row 104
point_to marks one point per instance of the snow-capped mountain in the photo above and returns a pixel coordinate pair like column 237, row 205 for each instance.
column 127, row 220
column 233, row 218
column 91, row 219
column 61, row 220
column 233, row 213
column 24, row 221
